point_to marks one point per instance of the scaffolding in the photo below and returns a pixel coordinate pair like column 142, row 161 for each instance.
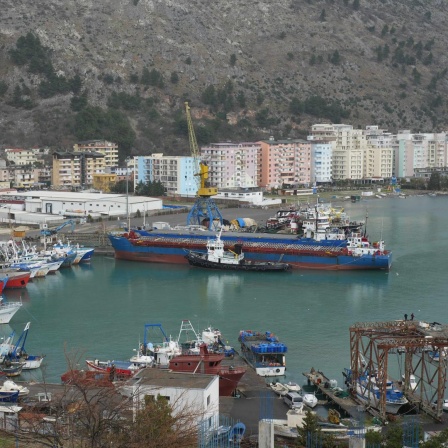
column 423, row 346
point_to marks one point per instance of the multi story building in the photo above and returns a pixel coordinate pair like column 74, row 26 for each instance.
column 76, row 169
column 21, row 156
column 108, row 149
column 418, row 151
column 21, row 176
column 284, row 162
column 379, row 154
column 176, row 173
column 321, row 161
column 104, row 181
column 232, row 165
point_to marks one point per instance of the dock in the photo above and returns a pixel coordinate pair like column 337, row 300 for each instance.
column 335, row 395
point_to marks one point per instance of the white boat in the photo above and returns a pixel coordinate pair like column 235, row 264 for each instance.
column 7, row 310
column 11, row 386
column 412, row 381
column 279, row 388
column 293, row 387
column 367, row 392
column 161, row 347
column 16, row 353
column 310, row 400
column 444, row 404
column 142, row 357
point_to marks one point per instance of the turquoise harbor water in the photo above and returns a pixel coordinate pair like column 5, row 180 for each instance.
column 99, row 310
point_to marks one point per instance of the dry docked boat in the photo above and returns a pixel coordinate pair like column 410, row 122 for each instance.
column 263, row 352
column 217, row 257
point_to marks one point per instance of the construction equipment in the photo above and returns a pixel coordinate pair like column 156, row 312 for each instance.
column 204, row 209
column 45, row 231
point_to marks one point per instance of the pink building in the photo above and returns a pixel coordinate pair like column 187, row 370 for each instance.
column 284, row 162
column 232, row 165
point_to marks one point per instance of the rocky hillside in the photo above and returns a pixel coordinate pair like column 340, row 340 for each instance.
column 250, row 68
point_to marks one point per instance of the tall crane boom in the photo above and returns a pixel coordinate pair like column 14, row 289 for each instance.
column 204, row 211
column 204, row 190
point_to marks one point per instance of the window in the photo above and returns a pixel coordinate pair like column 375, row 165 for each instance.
column 208, row 400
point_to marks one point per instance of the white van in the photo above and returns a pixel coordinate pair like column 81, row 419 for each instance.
column 293, row 400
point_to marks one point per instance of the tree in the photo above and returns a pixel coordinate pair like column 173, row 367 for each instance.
column 322, row 16
column 233, row 59
column 335, row 58
column 120, row 187
column 355, row 5
column 311, row 435
column 174, row 78
column 438, row 441
column 434, row 181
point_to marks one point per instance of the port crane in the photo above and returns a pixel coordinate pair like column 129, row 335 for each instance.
column 204, row 207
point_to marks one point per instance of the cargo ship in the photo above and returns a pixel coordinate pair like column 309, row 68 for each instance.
column 169, row 246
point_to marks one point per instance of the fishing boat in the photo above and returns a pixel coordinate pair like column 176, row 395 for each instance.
column 7, row 310
column 3, row 281
column 367, row 391
column 263, row 352
column 116, row 369
column 15, row 352
column 9, row 397
column 11, row 386
column 218, row 258
column 17, row 278
column 158, row 345
column 209, row 363
column 169, row 246
column 83, row 254
column 11, row 369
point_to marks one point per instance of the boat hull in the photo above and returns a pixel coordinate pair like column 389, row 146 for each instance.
column 199, row 260
column 7, row 311
column 260, row 249
column 18, row 280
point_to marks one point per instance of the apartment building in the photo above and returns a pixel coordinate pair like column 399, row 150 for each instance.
column 321, row 162
column 414, row 152
column 176, row 173
column 23, row 176
column 76, row 169
column 232, row 165
column 21, row 156
column 108, row 149
column 284, row 162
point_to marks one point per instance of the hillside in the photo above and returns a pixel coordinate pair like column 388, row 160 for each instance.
column 123, row 69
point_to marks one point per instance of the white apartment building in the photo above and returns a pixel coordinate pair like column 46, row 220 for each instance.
column 418, row 151
column 232, row 165
column 357, row 154
column 21, row 156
